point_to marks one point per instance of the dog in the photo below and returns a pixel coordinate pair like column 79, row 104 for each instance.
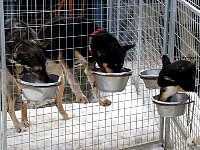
column 69, row 38
column 22, row 47
column 176, row 77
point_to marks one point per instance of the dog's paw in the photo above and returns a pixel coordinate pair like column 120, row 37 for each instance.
column 66, row 117
column 18, row 127
column 25, row 123
column 82, row 99
column 105, row 102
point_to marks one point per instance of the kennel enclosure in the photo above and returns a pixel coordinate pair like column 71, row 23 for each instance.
column 131, row 122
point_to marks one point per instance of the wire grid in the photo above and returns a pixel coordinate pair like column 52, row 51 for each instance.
column 131, row 120
column 195, row 3
column 186, row 47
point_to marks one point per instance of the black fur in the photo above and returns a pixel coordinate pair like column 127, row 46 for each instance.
column 22, row 46
column 70, row 34
column 180, row 73
column 106, row 49
column 66, row 36
column 70, row 39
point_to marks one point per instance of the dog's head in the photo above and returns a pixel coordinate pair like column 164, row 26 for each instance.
column 30, row 54
column 107, row 51
column 175, row 77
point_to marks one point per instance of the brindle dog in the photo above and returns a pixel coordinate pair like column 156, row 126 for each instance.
column 24, row 48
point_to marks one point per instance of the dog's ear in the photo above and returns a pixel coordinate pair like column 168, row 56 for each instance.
column 165, row 60
column 43, row 43
column 127, row 47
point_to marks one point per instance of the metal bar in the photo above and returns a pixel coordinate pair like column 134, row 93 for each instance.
column 190, row 7
column 161, row 129
column 3, row 80
column 118, row 17
column 172, row 30
column 139, row 146
column 166, row 27
column 109, row 14
column 139, row 32
column 167, row 133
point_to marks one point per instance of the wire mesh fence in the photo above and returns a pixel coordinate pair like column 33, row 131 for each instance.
column 131, row 121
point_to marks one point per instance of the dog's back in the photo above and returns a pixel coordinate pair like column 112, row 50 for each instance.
column 16, row 30
column 67, row 35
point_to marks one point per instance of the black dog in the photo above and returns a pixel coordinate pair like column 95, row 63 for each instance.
column 22, row 48
column 176, row 77
column 69, row 38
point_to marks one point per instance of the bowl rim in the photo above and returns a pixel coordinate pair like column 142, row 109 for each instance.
column 148, row 76
column 128, row 73
column 40, row 85
column 172, row 103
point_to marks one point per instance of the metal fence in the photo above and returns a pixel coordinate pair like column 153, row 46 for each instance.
column 158, row 27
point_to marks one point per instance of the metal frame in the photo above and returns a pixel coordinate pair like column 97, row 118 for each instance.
column 3, row 107
column 150, row 35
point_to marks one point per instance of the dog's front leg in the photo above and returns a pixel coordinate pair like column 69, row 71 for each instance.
column 58, row 98
column 24, row 120
column 80, row 97
column 95, row 90
column 11, row 111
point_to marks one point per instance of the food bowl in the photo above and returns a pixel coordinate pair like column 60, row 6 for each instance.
column 176, row 107
column 150, row 78
column 112, row 82
column 36, row 90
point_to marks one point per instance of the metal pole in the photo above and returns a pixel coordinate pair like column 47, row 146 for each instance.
column 118, row 17
column 164, row 52
column 139, row 48
column 172, row 24
column 167, row 133
column 166, row 26
column 161, row 130
column 109, row 14
column 3, row 79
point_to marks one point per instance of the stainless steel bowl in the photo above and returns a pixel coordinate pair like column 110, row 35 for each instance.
column 176, row 107
column 150, row 78
column 35, row 90
column 112, row 82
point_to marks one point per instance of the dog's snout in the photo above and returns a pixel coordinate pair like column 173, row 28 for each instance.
column 166, row 92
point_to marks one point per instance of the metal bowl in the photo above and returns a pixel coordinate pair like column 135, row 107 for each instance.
column 112, row 82
column 176, row 107
column 36, row 90
column 150, row 78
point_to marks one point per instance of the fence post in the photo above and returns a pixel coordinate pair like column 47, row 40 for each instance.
column 139, row 48
column 167, row 133
column 3, row 136
column 164, row 52
column 172, row 25
column 166, row 27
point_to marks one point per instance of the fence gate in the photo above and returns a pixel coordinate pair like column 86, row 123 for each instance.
column 131, row 122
